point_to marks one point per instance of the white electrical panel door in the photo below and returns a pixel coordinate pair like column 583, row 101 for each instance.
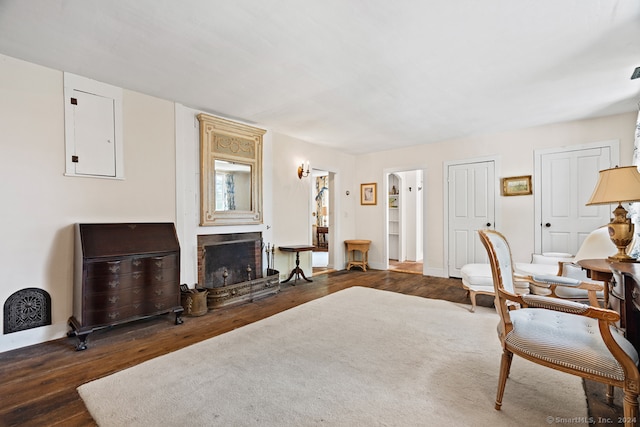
column 94, row 128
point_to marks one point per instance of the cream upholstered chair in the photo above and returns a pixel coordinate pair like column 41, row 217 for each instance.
column 565, row 335
column 477, row 280
column 597, row 244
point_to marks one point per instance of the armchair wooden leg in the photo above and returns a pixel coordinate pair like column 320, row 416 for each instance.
column 630, row 408
column 609, row 394
column 472, row 297
column 505, row 367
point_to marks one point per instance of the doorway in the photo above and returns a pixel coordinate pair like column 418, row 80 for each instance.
column 321, row 227
column 404, row 221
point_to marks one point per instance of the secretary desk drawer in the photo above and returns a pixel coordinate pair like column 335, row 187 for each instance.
column 108, row 316
column 157, row 263
column 160, row 304
column 162, row 291
column 108, row 268
column 108, row 300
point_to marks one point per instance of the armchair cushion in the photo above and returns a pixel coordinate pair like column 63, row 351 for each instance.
column 566, row 339
column 477, row 275
column 551, row 258
column 556, row 304
column 477, row 279
column 573, row 270
column 557, row 280
column 527, row 269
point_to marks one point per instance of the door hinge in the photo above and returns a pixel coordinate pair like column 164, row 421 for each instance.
column 74, row 101
column 74, row 159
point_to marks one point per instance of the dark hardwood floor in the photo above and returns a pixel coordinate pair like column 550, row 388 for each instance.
column 38, row 383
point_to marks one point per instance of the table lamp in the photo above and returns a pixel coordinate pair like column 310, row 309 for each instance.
column 618, row 185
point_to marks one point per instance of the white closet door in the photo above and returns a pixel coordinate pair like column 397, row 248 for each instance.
column 568, row 179
column 471, row 207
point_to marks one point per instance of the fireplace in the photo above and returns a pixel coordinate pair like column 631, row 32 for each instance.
column 230, row 267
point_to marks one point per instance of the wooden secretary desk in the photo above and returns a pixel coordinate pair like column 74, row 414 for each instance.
column 123, row 272
column 628, row 294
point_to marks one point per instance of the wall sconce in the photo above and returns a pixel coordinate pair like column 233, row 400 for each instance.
column 302, row 172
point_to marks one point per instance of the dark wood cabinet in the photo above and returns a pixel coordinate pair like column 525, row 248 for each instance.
column 124, row 272
column 626, row 299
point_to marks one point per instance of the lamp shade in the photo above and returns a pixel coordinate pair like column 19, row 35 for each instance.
column 616, row 185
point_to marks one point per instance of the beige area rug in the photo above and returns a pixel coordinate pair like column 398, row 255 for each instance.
column 359, row 357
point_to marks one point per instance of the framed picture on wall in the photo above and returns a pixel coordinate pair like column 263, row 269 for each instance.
column 368, row 194
column 516, row 186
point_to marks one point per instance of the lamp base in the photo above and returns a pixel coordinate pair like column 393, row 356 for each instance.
column 621, row 232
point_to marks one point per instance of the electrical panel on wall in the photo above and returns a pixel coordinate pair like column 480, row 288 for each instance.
column 93, row 128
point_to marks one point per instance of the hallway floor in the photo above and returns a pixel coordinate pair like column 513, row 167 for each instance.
column 320, row 261
column 406, row 266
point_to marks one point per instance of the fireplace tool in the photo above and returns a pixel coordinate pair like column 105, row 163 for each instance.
column 270, row 251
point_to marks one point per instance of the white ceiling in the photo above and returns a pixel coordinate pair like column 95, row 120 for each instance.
column 358, row 75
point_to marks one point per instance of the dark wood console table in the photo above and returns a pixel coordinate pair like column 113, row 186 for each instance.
column 630, row 305
column 297, row 271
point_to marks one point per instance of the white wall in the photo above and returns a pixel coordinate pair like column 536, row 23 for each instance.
column 515, row 149
column 40, row 204
column 291, row 199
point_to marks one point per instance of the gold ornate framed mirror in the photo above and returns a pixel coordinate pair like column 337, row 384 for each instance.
column 230, row 172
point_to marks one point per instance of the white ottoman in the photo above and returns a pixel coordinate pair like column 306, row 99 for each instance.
column 477, row 279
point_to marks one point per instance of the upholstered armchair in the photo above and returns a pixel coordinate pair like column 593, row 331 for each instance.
column 597, row 244
column 572, row 337
column 477, row 280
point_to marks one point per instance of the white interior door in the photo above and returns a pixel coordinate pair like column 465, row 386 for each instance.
column 567, row 180
column 471, row 207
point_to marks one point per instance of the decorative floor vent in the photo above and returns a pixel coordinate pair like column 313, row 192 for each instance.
column 27, row 308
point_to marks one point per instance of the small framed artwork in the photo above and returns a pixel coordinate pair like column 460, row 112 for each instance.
column 516, row 186
column 368, row 194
